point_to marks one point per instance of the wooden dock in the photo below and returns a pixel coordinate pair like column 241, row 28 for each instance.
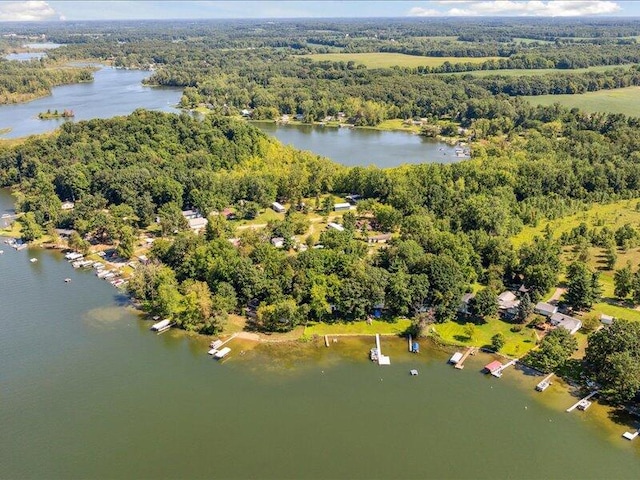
column 575, row 405
column 410, row 344
column 460, row 364
column 498, row 373
column 326, row 340
column 544, row 383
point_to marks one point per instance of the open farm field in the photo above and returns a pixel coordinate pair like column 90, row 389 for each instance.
column 620, row 100
column 386, row 60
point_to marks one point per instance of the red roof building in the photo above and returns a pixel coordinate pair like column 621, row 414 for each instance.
column 493, row 366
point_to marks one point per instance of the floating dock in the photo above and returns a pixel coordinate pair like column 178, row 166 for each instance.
column 582, row 404
column 161, row 326
column 382, row 359
column 631, row 435
column 215, row 346
column 220, row 354
column 459, row 362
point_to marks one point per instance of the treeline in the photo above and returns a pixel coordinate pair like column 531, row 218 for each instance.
column 22, row 81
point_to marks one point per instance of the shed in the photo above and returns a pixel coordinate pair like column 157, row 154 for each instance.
column 606, row 319
column 338, row 207
column 546, row 309
column 278, row 207
column 335, row 226
column 493, row 366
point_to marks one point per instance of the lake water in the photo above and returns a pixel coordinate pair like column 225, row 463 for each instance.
column 113, row 92
column 362, row 146
column 25, row 56
column 87, row 391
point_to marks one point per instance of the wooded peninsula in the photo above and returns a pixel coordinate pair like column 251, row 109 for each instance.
column 475, row 252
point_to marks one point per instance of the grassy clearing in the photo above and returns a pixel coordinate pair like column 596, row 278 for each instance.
column 386, row 60
column 520, row 72
column 358, row 328
column 613, row 215
column 517, row 343
column 620, row 100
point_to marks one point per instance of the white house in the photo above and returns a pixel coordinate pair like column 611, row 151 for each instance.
column 67, row 205
column 606, row 319
column 545, row 309
column 197, row 224
column 508, row 303
column 338, row 207
column 335, row 226
column 278, row 207
column 565, row 321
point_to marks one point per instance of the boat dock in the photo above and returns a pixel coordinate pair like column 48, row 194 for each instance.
column 544, row 384
column 582, row 402
column 326, row 340
column 498, row 372
column 631, row 435
column 382, row 359
column 162, row 326
column 217, row 347
column 459, row 361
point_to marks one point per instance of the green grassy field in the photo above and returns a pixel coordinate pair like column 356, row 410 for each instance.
column 516, row 343
column 386, row 60
column 620, row 100
column 513, row 72
column 358, row 328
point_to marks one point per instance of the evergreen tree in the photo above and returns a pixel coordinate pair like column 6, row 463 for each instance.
column 623, row 280
column 583, row 288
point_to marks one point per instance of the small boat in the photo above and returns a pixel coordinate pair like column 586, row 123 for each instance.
column 543, row 385
column 584, row 404
column 33, row 260
column 413, row 372
column 1, row 252
column 373, row 354
column 67, row 280
column 161, row 326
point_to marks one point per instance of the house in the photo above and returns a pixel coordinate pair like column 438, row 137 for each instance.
column 189, row 214
column 278, row 207
column 465, row 304
column 338, row 207
column 197, row 224
column 353, row 199
column 508, row 303
column 383, row 238
column 335, row 226
column 277, row 242
column 606, row 319
column 545, row 309
column 565, row 321
column 67, row 205
column 245, row 113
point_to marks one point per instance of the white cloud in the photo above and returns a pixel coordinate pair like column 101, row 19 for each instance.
column 424, row 12
column 29, row 11
column 533, row 8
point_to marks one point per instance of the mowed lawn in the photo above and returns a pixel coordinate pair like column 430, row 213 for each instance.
column 386, row 60
column 620, row 100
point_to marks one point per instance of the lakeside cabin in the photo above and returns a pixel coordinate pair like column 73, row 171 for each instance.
column 341, row 207
column 278, row 207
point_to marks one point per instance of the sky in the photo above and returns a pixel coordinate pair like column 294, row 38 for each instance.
column 41, row 10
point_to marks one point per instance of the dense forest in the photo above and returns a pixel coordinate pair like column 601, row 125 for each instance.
column 451, row 226
column 22, row 81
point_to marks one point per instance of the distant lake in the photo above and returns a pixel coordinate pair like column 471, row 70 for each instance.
column 25, row 56
column 113, row 92
column 355, row 146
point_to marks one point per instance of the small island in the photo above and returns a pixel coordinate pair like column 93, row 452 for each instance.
column 48, row 115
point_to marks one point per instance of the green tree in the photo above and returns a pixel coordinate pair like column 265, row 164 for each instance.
column 497, row 341
column 623, row 280
column 556, row 347
column 583, row 287
column 525, row 308
column 611, row 257
column 484, row 303
column 30, row 230
column 127, row 242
